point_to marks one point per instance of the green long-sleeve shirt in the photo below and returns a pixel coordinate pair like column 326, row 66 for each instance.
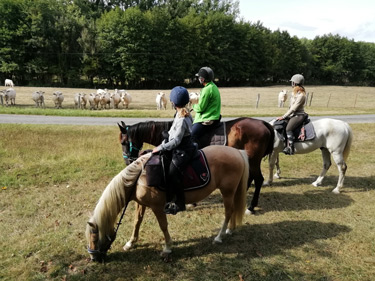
column 209, row 106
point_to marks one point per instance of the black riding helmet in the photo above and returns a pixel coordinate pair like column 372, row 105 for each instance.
column 206, row 73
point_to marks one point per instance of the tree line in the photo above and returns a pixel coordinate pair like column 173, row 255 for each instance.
column 160, row 44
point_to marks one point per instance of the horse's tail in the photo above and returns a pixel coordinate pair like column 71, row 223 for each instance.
column 239, row 205
column 270, row 144
column 348, row 142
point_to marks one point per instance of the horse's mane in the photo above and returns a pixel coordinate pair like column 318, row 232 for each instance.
column 150, row 132
column 115, row 194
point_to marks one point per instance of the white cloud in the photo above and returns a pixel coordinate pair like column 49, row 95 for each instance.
column 311, row 18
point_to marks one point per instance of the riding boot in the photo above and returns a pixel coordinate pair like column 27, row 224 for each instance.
column 289, row 149
column 175, row 194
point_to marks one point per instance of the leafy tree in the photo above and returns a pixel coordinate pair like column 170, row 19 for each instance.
column 13, row 30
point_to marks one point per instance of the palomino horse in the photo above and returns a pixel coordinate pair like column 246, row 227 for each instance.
column 229, row 169
column 333, row 137
column 255, row 136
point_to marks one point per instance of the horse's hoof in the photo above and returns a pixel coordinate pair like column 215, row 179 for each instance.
column 315, row 184
column 276, row 176
column 166, row 257
column 127, row 246
column 336, row 191
column 229, row 232
column 217, row 241
column 266, row 183
column 248, row 212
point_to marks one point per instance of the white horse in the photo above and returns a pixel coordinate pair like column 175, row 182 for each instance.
column 333, row 137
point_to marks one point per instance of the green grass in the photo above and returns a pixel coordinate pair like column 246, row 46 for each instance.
column 236, row 102
column 52, row 176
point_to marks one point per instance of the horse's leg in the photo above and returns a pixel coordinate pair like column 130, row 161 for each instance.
column 326, row 164
column 272, row 160
column 228, row 205
column 341, row 166
column 258, row 182
column 163, row 224
column 138, row 218
column 278, row 170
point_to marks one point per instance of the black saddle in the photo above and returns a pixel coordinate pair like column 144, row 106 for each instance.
column 303, row 132
column 195, row 176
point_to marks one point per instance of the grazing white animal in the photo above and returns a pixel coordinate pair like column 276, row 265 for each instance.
column 193, row 98
column 115, row 99
column 58, row 98
column 126, row 98
column 9, row 96
column 80, row 100
column 8, row 83
column 161, row 101
column 283, row 96
column 105, row 99
column 94, row 100
column 38, row 98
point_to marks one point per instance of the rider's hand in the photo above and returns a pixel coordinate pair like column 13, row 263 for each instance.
column 280, row 118
column 155, row 150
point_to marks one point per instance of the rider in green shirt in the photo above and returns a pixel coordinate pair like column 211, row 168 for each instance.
column 207, row 110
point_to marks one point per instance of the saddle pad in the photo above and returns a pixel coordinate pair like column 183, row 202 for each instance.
column 219, row 135
column 197, row 173
column 309, row 133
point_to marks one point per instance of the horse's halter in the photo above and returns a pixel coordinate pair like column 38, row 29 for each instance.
column 100, row 254
column 130, row 152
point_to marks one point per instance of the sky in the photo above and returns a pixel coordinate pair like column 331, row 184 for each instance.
column 353, row 19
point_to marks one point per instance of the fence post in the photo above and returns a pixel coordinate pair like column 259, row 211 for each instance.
column 312, row 94
column 329, row 99
column 258, row 98
column 79, row 102
column 1, row 99
column 307, row 98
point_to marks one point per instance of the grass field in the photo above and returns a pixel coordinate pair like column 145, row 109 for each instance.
column 52, row 176
column 236, row 102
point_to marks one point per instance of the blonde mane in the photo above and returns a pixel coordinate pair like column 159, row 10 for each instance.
column 115, row 195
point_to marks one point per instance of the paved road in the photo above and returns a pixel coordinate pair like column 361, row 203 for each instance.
column 105, row 121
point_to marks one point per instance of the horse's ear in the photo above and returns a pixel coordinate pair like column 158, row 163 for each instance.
column 122, row 127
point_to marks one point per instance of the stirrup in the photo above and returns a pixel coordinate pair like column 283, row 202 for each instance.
column 288, row 151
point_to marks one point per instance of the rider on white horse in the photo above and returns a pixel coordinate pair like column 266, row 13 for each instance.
column 296, row 113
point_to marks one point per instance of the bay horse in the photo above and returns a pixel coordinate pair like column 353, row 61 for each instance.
column 255, row 136
column 333, row 137
column 229, row 169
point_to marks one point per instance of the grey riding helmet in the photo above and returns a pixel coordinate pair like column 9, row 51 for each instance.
column 298, row 79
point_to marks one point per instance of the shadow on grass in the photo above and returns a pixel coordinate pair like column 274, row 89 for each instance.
column 359, row 183
column 243, row 252
column 319, row 199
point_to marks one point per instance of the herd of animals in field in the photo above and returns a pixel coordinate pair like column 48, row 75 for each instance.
column 101, row 98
